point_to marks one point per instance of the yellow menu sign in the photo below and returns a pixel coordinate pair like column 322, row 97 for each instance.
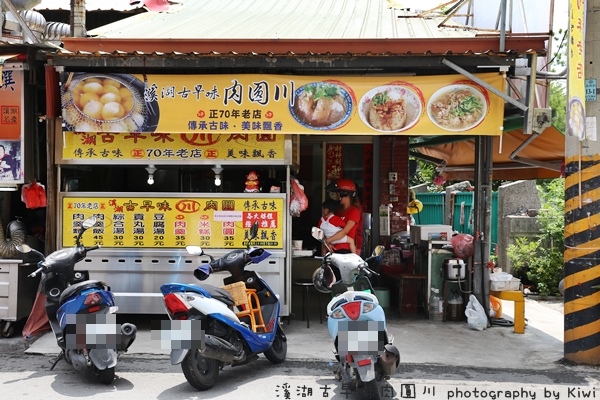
column 174, row 222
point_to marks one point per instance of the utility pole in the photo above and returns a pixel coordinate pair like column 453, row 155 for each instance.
column 582, row 188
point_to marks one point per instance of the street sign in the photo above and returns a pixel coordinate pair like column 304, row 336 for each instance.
column 590, row 90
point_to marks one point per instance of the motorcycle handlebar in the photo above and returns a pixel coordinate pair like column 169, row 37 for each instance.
column 34, row 273
column 96, row 247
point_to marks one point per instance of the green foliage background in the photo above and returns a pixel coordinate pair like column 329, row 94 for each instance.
column 541, row 260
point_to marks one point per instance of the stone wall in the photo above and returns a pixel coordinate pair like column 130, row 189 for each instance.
column 514, row 201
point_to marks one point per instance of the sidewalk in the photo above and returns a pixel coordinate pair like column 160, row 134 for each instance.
column 420, row 341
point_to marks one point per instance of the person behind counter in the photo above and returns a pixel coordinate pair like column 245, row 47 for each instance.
column 332, row 224
column 350, row 211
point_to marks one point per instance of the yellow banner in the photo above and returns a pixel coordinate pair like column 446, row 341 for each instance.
column 174, row 222
column 576, row 67
column 411, row 105
column 187, row 147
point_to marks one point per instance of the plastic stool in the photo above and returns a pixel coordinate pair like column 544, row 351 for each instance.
column 305, row 284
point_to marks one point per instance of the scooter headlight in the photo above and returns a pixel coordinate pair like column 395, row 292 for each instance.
column 337, row 314
column 368, row 307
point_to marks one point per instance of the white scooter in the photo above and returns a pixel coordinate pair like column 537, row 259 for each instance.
column 356, row 321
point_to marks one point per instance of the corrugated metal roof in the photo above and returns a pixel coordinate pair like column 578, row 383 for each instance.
column 280, row 19
column 90, row 5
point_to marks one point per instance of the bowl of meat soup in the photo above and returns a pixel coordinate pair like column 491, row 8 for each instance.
column 391, row 108
column 322, row 105
column 458, row 107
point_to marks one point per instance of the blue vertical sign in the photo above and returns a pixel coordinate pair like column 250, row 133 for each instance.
column 590, row 90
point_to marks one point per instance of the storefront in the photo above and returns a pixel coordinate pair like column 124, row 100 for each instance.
column 216, row 94
column 143, row 153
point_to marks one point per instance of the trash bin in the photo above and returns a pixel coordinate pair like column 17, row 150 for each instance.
column 383, row 295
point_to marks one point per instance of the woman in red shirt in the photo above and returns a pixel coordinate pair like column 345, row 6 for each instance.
column 350, row 211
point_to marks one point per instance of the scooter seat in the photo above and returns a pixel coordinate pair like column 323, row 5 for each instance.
column 81, row 286
column 219, row 294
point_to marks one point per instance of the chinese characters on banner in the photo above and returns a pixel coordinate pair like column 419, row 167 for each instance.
column 333, row 161
column 11, row 126
column 175, row 222
column 103, row 146
column 276, row 104
column 576, row 68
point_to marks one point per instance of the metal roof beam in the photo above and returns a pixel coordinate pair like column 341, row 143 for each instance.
column 349, row 64
column 492, row 89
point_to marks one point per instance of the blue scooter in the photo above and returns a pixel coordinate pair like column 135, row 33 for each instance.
column 81, row 311
column 230, row 336
column 363, row 347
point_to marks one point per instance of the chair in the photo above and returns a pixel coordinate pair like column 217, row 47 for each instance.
column 305, row 284
column 248, row 304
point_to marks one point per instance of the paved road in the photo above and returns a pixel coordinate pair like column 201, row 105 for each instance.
column 29, row 376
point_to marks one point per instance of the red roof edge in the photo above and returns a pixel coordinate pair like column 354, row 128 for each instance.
column 514, row 44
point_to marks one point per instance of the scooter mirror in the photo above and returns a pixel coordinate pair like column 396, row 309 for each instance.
column 378, row 250
column 202, row 272
column 23, row 248
column 88, row 223
column 317, row 233
column 194, row 250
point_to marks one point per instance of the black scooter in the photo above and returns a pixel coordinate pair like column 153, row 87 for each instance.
column 81, row 311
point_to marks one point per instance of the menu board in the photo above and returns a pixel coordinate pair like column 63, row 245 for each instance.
column 174, row 222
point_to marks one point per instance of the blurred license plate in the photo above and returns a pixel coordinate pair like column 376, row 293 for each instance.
column 360, row 337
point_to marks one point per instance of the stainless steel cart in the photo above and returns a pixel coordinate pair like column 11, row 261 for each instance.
column 17, row 293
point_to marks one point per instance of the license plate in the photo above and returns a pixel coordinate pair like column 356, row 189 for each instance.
column 360, row 337
column 178, row 335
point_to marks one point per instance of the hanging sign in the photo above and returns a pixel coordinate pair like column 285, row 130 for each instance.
column 252, row 103
column 576, row 64
column 174, row 222
column 11, row 126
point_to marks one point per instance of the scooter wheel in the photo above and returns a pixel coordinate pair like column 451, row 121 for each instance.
column 278, row 350
column 106, row 376
column 200, row 372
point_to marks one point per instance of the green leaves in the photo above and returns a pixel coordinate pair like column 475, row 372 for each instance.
column 541, row 259
column 380, row 99
column 468, row 105
column 323, row 91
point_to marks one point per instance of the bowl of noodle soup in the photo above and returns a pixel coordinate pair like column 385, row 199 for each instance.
column 457, row 107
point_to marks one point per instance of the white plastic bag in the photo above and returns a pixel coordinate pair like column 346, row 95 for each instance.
column 476, row 317
column 500, row 277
